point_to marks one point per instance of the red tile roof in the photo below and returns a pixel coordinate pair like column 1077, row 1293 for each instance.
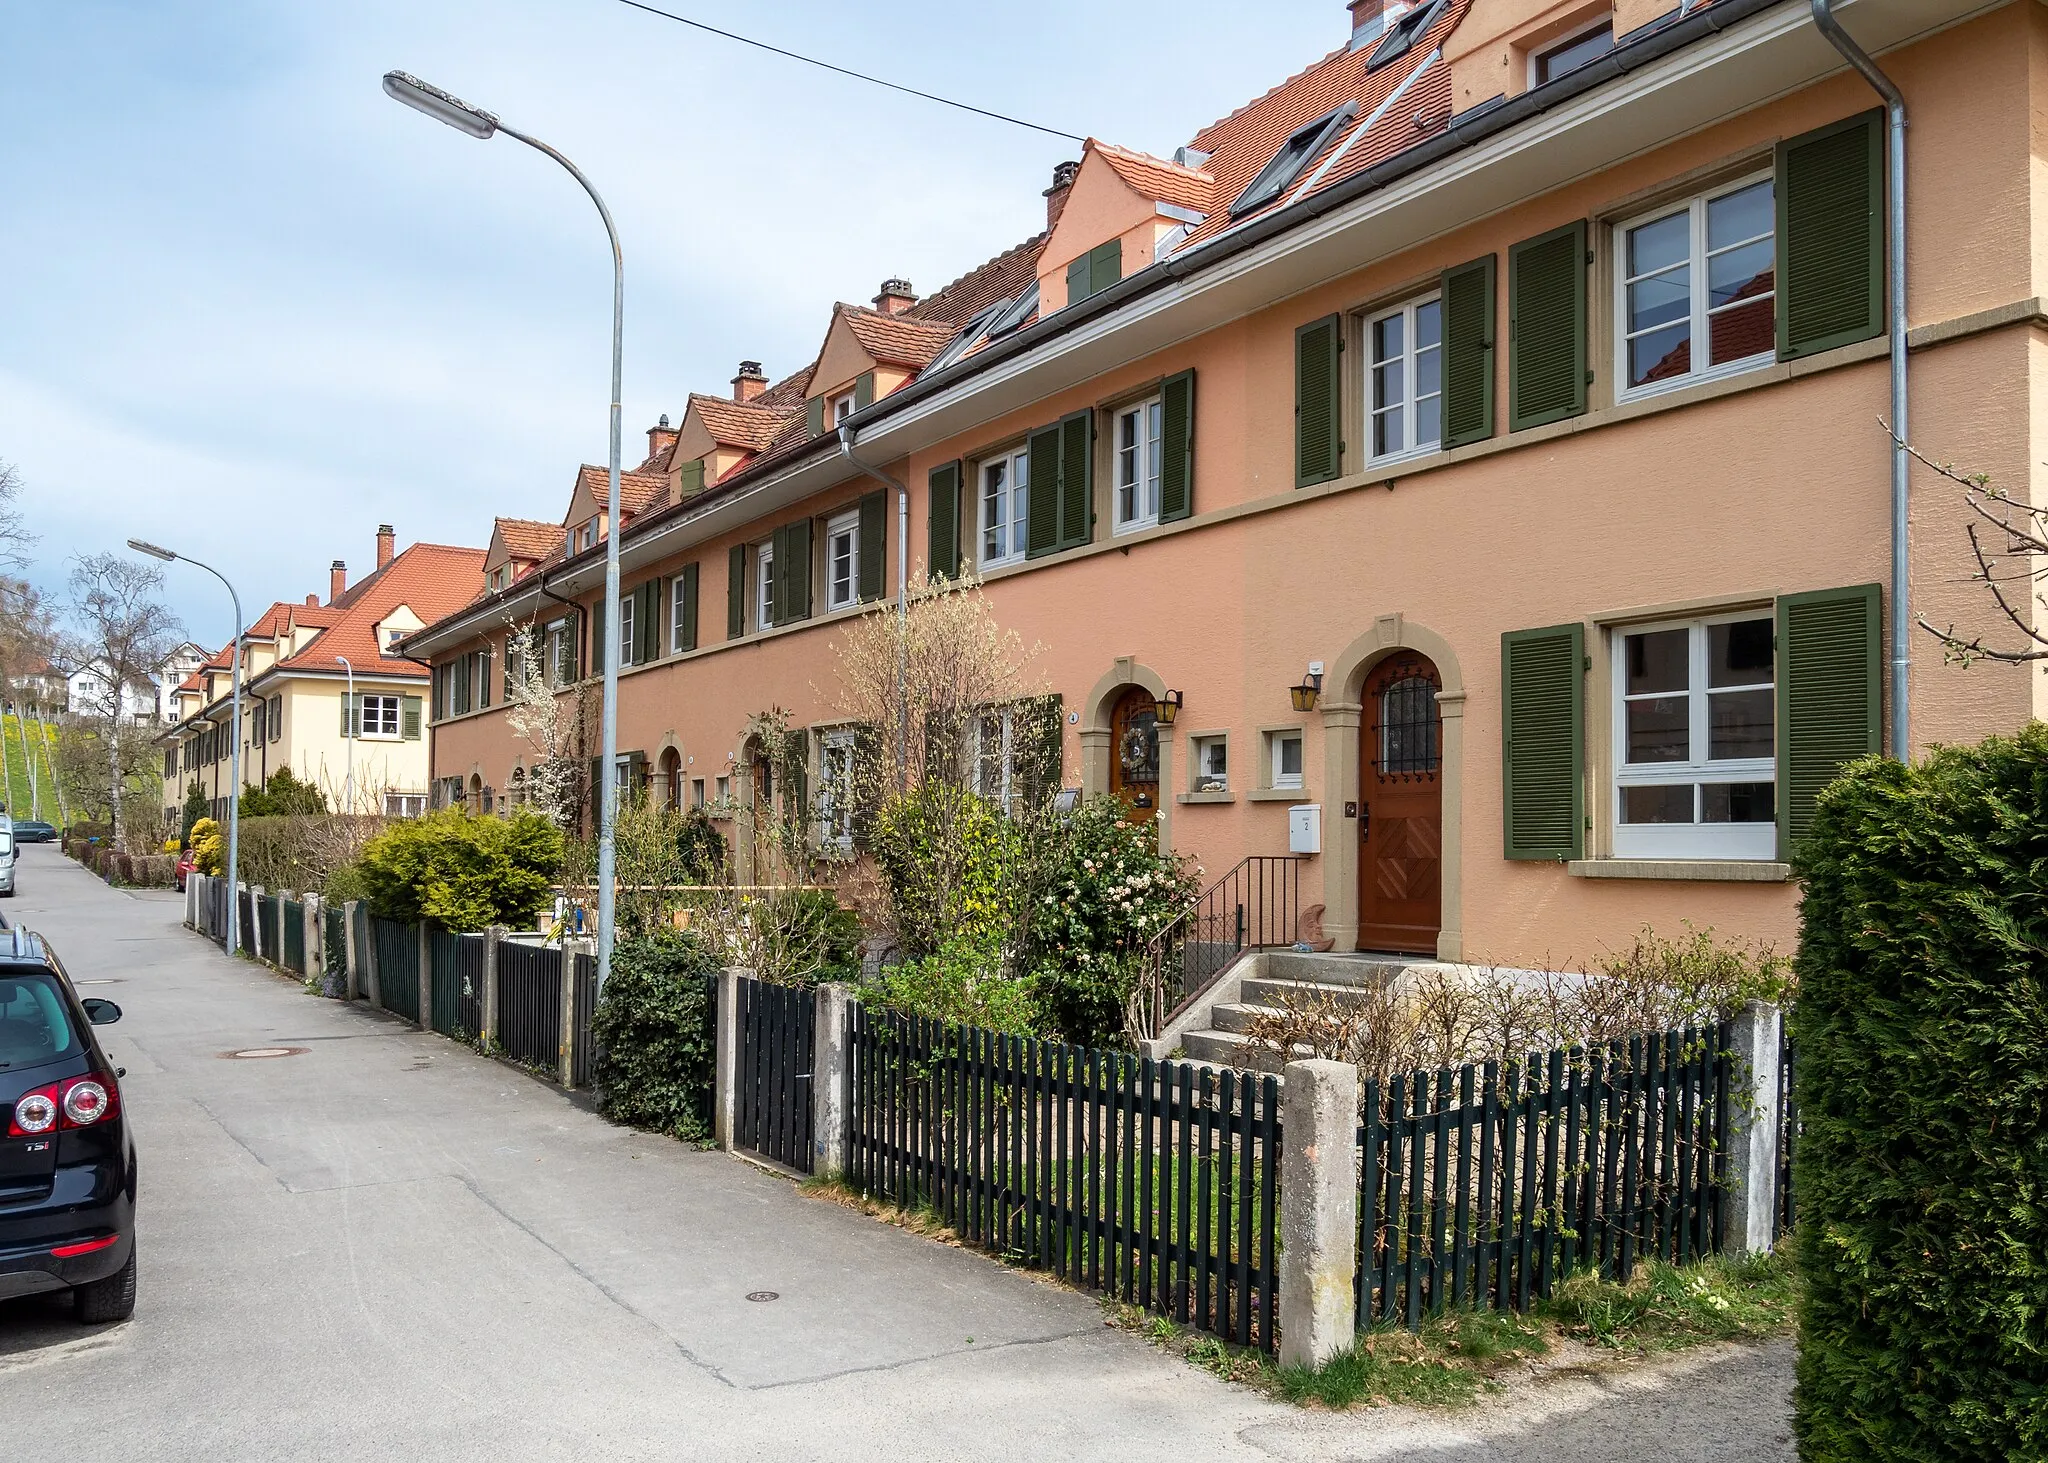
column 1001, row 278
column 638, row 491
column 433, row 580
column 528, row 538
column 1157, row 179
column 896, row 340
column 747, row 425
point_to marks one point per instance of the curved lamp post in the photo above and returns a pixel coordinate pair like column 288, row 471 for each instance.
column 234, row 745
column 477, row 123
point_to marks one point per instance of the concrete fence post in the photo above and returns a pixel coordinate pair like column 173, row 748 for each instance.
column 1318, row 1212
column 425, row 947
column 370, row 964
column 726, row 1057
column 494, row 941
column 567, row 1052
column 831, row 1060
column 252, row 937
column 351, row 952
column 312, row 937
column 1749, row 1193
column 191, row 902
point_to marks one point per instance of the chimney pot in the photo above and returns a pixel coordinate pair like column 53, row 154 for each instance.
column 387, row 542
column 1056, row 195
column 896, row 297
column 750, row 382
column 659, row 438
column 337, row 581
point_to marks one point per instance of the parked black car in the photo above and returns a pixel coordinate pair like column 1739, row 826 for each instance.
column 67, row 1162
column 34, row 830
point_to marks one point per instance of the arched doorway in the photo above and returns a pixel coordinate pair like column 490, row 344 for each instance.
column 671, row 769
column 476, row 792
column 1134, row 752
column 1401, row 807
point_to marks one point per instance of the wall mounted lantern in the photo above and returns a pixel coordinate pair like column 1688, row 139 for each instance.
column 1168, row 707
column 1305, row 694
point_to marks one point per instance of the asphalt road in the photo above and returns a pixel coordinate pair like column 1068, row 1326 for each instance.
column 387, row 1247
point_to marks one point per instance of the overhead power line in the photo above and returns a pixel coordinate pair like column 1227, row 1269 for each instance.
column 848, row 71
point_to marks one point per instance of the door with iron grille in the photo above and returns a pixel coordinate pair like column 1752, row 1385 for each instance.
column 1401, row 808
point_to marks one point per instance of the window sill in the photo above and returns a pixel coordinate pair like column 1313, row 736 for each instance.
column 1278, row 795
column 1725, row 871
column 1206, row 797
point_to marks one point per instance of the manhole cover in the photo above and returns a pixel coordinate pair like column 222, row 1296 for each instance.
column 764, row 1295
column 252, row 1053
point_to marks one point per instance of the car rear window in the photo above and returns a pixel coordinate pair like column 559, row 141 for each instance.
column 34, row 1026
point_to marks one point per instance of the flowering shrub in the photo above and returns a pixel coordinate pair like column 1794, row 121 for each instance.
column 1105, row 891
column 951, row 862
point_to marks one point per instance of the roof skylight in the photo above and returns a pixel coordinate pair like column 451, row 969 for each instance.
column 1296, row 153
column 1404, row 33
column 1014, row 314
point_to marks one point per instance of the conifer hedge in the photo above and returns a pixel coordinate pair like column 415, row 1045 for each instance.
column 1921, row 1026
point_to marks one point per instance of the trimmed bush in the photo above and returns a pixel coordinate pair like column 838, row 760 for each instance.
column 462, row 873
column 654, row 1035
column 1922, row 1170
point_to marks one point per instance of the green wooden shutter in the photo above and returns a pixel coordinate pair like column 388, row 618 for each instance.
column 814, row 415
column 1543, row 715
column 1830, row 696
column 685, row 591
column 647, row 622
column 863, row 390
column 1077, row 479
column 483, row 686
column 599, row 651
column 347, row 705
column 1177, row 447
column 942, row 557
column 793, row 573
column 1039, row 739
column 692, row 482
column 1042, row 506
column 409, row 714
column 736, row 592
column 1547, row 327
column 874, row 543
column 1830, row 187
column 1318, row 407
column 1468, row 316
column 1105, row 265
column 778, row 568
column 1077, row 281
column 634, row 782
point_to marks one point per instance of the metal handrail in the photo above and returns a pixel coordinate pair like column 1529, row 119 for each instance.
column 1255, row 906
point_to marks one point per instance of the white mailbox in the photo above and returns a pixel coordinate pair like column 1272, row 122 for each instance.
column 1305, row 828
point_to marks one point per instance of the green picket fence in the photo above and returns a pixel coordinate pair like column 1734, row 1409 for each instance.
column 294, row 935
column 398, row 967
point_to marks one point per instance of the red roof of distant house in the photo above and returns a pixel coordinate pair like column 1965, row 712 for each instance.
column 896, row 340
column 432, row 580
column 528, row 538
column 744, row 424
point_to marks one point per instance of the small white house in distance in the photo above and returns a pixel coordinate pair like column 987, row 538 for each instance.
column 179, row 664
column 88, row 692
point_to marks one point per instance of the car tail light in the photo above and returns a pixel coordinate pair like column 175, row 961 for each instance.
column 77, row 1102
column 86, row 1247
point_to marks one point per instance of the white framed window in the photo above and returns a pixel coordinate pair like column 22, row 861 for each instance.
column 404, row 804
column 1137, row 430
column 842, row 407
column 377, row 716
column 561, row 652
column 1005, row 499
column 1696, row 289
column 1406, row 383
column 1283, row 759
column 836, row 790
column 1695, row 725
column 627, row 640
column 696, row 792
column 1572, row 53
column 676, row 605
column 1212, row 763
column 842, row 560
column 995, row 755
column 764, row 586
column 725, row 789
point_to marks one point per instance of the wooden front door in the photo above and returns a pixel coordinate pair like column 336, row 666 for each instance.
column 1401, row 808
column 1134, row 752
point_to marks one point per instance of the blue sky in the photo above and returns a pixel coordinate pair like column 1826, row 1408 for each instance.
column 254, row 308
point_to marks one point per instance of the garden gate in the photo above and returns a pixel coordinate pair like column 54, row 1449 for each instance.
column 778, row 1030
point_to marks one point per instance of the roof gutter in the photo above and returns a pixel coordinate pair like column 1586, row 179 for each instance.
column 1895, row 262
column 846, row 438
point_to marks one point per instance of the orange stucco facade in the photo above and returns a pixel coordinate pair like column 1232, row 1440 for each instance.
column 1710, row 499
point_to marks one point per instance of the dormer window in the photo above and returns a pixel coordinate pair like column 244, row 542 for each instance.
column 1404, row 33
column 389, row 638
column 1296, row 153
column 1571, row 54
column 841, row 407
column 1014, row 314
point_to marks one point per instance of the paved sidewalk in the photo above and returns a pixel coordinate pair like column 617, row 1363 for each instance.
column 388, row 1247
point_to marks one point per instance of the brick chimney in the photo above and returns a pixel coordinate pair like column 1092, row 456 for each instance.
column 387, row 542
column 896, row 297
column 1370, row 19
column 337, row 581
column 1056, row 195
column 312, row 601
column 750, row 382
column 660, row 437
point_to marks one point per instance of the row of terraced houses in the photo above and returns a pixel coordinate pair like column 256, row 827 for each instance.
column 1507, row 388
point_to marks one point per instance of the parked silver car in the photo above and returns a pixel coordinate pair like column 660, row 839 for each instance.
column 8, row 854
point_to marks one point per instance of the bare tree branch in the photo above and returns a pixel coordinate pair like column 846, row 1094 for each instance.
column 2022, row 560
column 124, row 631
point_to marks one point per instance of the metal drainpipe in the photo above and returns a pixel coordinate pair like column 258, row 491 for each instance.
column 1895, row 257
column 902, row 602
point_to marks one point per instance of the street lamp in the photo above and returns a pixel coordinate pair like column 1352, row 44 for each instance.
column 234, row 745
column 348, row 796
column 476, row 122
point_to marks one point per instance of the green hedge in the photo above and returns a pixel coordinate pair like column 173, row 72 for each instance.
column 1922, row 1171
column 654, row 1034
